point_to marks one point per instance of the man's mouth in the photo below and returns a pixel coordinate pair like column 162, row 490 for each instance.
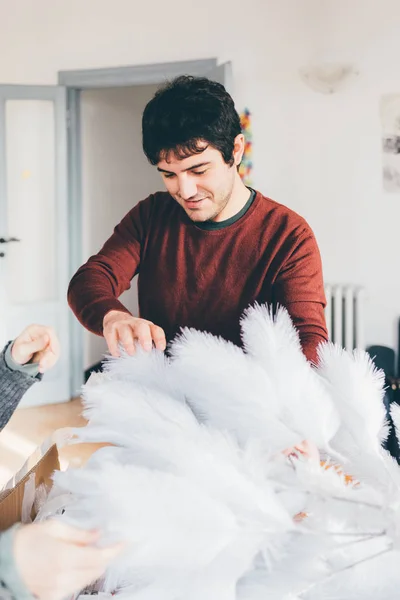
column 194, row 202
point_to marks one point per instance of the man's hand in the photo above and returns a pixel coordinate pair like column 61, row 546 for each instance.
column 56, row 560
column 37, row 344
column 121, row 328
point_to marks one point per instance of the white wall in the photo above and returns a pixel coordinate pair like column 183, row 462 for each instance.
column 336, row 163
column 115, row 175
column 318, row 154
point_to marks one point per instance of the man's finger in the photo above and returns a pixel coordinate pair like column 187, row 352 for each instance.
column 158, row 335
column 112, row 342
column 126, row 338
column 143, row 334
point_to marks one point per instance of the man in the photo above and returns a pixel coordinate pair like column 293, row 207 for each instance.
column 26, row 551
column 208, row 247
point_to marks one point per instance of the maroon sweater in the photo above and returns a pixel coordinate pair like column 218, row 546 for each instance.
column 201, row 278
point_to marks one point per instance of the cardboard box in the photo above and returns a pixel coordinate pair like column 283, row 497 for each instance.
column 11, row 499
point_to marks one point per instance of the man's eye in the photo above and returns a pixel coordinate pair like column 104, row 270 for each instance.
column 168, row 175
column 199, row 172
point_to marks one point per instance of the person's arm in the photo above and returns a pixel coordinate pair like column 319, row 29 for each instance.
column 22, row 363
column 300, row 288
column 13, row 385
column 95, row 288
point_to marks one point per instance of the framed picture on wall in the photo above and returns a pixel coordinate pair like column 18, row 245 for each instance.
column 390, row 122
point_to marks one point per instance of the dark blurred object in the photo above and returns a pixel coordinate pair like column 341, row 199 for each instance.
column 97, row 368
column 385, row 358
column 398, row 350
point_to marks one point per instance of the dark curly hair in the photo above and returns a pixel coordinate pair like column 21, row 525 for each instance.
column 186, row 111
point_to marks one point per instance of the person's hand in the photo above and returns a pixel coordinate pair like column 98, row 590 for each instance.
column 121, row 328
column 305, row 448
column 36, row 344
column 55, row 560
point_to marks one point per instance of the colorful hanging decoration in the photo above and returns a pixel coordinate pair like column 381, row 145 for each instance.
column 246, row 165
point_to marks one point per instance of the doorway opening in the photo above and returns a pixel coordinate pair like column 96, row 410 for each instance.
column 108, row 172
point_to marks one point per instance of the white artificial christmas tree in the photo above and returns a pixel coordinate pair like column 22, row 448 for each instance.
column 201, row 486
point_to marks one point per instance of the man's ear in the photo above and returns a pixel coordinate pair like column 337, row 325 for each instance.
column 238, row 149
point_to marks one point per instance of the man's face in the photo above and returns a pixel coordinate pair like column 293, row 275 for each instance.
column 201, row 183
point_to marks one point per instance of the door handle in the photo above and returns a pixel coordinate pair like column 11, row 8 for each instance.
column 11, row 239
column 2, row 254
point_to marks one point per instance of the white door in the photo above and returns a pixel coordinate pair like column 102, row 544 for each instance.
column 34, row 224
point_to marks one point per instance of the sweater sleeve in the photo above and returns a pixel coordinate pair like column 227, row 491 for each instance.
column 13, row 385
column 31, row 369
column 95, row 288
column 300, row 288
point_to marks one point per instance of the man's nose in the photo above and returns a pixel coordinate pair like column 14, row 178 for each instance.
column 187, row 187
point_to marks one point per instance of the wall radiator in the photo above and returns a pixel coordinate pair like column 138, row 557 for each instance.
column 345, row 315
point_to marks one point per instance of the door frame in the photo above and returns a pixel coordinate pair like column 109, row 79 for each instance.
column 57, row 388
column 75, row 81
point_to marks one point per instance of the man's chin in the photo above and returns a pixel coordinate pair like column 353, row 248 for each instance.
column 198, row 216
